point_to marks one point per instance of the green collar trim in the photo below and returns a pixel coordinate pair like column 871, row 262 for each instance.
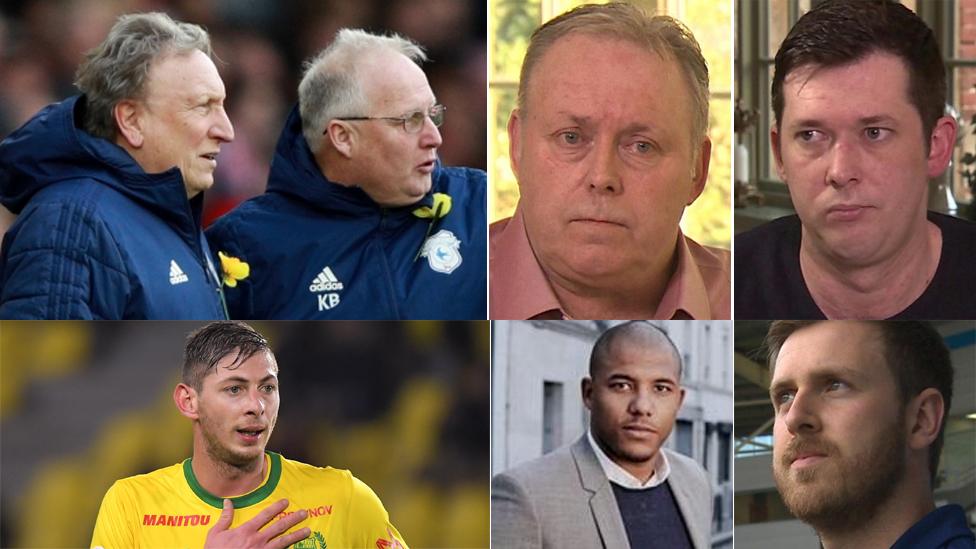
column 241, row 501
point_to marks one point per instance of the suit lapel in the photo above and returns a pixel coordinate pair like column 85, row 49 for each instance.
column 683, row 497
column 602, row 503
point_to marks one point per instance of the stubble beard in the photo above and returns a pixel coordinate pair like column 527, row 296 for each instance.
column 230, row 462
column 844, row 493
column 614, row 445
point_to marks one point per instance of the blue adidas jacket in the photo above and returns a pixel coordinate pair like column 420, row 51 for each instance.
column 96, row 236
column 319, row 250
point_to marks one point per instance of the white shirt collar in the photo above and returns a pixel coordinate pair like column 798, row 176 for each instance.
column 618, row 475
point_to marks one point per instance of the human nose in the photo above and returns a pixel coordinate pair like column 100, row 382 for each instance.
column 222, row 129
column 604, row 176
column 430, row 135
column 844, row 164
column 802, row 415
column 642, row 403
column 255, row 402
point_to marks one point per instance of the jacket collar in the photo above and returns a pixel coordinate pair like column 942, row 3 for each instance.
column 51, row 147
column 603, row 504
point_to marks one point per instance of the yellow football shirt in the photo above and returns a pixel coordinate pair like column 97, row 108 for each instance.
column 168, row 508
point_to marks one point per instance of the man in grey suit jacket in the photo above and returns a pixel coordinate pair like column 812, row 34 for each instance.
column 615, row 486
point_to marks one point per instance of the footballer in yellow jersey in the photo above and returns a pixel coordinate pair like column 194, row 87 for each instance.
column 168, row 508
column 233, row 492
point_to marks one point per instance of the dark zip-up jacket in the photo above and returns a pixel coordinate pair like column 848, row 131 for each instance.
column 96, row 236
column 320, row 250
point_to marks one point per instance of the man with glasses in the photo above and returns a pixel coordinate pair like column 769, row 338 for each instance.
column 360, row 219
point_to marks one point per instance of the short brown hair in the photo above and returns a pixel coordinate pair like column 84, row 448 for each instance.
column 660, row 34
column 916, row 355
column 209, row 345
column 838, row 32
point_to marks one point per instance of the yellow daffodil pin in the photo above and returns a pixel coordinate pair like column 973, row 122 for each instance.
column 234, row 269
column 440, row 208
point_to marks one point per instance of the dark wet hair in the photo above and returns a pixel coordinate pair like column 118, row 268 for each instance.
column 209, row 345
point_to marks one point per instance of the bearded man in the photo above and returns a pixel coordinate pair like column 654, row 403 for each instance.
column 860, row 412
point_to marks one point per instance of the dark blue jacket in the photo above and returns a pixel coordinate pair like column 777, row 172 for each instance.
column 943, row 528
column 319, row 250
column 97, row 237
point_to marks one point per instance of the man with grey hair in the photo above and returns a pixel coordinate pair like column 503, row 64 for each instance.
column 108, row 184
column 609, row 145
column 360, row 220
column 616, row 486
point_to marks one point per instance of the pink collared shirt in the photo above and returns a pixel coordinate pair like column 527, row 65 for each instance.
column 699, row 289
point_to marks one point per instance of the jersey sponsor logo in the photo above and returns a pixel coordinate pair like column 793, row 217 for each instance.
column 391, row 543
column 314, row 541
column 176, row 274
column 442, row 252
column 326, row 281
column 175, row 520
column 320, row 511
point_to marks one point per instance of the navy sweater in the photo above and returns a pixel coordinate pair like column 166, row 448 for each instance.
column 651, row 517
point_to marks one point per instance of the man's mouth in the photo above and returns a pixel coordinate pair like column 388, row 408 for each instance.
column 427, row 167
column 639, row 429
column 846, row 212
column 597, row 222
column 212, row 156
column 251, row 434
column 806, row 459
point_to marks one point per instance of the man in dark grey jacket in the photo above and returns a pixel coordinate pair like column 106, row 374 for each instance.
column 615, row 486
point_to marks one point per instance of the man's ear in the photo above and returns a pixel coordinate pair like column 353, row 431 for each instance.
column 187, row 400
column 586, row 388
column 925, row 414
column 777, row 151
column 942, row 143
column 342, row 136
column 699, row 173
column 514, row 130
column 128, row 120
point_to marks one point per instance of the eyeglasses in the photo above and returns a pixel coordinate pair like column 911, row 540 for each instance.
column 412, row 123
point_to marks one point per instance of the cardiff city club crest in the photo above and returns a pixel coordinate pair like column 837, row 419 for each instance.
column 441, row 251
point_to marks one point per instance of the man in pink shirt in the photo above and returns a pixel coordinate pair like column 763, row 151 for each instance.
column 609, row 145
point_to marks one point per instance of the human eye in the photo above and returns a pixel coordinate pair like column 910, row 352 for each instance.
column 416, row 117
column 810, row 136
column 233, row 389
column 620, row 385
column 570, row 137
column 876, row 134
column 783, row 398
column 269, row 388
column 836, row 385
column 662, row 388
column 203, row 106
column 642, row 147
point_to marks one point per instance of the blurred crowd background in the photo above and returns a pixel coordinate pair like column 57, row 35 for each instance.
column 403, row 405
column 262, row 44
